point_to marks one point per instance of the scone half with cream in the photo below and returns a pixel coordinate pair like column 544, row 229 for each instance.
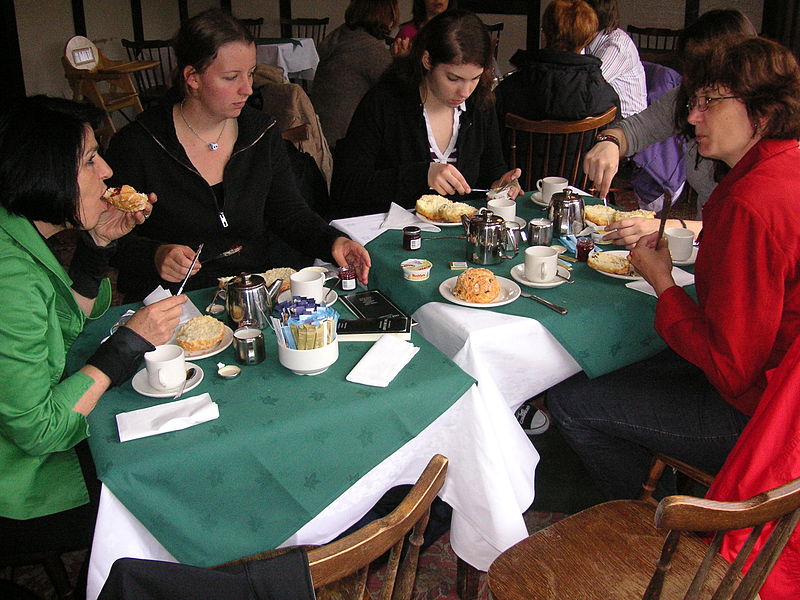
column 608, row 262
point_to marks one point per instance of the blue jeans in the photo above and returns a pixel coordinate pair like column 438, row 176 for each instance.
column 663, row 404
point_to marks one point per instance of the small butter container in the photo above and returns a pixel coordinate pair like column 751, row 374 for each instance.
column 597, row 236
column 416, row 269
column 457, row 265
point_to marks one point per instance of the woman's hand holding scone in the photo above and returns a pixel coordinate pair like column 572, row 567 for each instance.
column 157, row 322
column 114, row 223
column 173, row 260
column 654, row 264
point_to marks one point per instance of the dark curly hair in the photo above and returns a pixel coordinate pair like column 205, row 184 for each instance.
column 764, row 74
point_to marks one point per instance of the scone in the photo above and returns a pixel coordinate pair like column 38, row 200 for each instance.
column 200, row 333
column 429, row 206
column 452, row 211
column 645, row 214
column 477, row 285
column 125, row 198
column 609, row 263
column 599, row 214
column 283, row 273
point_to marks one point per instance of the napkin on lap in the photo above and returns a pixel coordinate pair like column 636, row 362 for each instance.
column 681, row 277
column 383, row 361
column 398, row 217
column 162, row 418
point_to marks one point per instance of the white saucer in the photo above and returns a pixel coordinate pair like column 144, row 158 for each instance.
column 330, row 298
column 536, row 198
column 688, row 261
column 518, row 273
column 141, row 384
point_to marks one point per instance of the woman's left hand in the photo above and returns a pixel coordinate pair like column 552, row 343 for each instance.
column 349, row 252
column 512, row 176
column 653, row 263
column 114, row 223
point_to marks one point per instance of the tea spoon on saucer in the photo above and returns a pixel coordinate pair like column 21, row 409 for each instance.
column 189, row 374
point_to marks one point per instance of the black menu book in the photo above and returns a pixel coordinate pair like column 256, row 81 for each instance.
column 372, row 304
column 377, row 316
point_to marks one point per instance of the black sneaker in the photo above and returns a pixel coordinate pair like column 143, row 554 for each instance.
column 532, row 420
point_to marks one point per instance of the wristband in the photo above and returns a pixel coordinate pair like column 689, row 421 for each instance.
column 607, row 137
column 120, row 355
column 89, row 265
column 683, row 223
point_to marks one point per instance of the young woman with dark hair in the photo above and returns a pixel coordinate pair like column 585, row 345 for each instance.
column 220, row 170
column 429, row 124
column 421, row 12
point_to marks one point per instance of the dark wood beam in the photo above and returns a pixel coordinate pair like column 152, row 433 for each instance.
column 183, row 10
column 136, row 20
column 11, row 59
column 285, row 12
column 78, row 17
column 691, row 12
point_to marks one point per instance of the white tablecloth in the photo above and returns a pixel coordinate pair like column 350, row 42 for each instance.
column 297, row 61
column 489, row 484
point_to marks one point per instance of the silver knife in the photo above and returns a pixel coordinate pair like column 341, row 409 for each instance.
column 550, row 305
column 189, row 272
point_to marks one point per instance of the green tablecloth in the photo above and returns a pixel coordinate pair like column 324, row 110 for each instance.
column 608, row 326
column 284, row 447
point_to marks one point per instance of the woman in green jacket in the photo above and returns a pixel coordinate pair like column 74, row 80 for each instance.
column 52, row 179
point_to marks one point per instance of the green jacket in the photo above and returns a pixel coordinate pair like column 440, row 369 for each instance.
column 39, row 321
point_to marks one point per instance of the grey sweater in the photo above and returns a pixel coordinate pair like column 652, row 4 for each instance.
column 656, row 123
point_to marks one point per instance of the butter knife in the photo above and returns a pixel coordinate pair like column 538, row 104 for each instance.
column 559, row 309
column 189, row 272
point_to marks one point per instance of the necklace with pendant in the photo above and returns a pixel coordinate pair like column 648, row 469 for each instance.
column 211, row 145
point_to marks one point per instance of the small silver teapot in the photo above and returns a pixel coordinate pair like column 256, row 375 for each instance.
column 249, row 301
column 566, row 213
column 488, row 239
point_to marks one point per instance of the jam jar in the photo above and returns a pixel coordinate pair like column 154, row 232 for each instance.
column 412, row 239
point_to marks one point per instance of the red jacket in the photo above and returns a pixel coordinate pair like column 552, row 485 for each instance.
column 747, row 277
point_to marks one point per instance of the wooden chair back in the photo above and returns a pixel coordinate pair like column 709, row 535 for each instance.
column 494, row 32
column 657, row 467
column 152, row 83
column 345, row 563
column 254, row 25
column 305, row 28
column 655, row 44
column 552, row 148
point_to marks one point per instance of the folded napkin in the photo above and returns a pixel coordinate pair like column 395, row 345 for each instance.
column 162, row 418
column 681, row 277
column 189, row 309
column 383, row 361
column 398, row 217
column 362, row 229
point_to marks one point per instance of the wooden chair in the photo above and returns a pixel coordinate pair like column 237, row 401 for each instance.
column 494, row 32
column 552, row 147
column 340, row 569
column 108, row 84
column 655, row 44
column 657, row 467
column 53, row 566
column 152, row 83
column 620, row 549
column 305, row 28
column 254, row 25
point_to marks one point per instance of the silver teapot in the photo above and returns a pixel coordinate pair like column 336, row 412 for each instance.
column 566, row 213
column 488, row 239
column 249, row 301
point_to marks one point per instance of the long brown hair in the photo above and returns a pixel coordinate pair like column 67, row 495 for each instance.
column 377, row 17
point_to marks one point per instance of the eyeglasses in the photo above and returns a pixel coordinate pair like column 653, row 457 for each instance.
column 704, row 102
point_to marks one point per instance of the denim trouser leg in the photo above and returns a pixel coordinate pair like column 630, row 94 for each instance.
column 663, row 404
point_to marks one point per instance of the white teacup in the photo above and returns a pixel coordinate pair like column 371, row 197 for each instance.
column 551, row 185
column 308, row 283
column 679, row 241
column 541, row 263
column 503, row 207
column 166, row 367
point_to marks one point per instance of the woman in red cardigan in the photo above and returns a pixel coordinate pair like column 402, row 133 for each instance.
column 742, row 105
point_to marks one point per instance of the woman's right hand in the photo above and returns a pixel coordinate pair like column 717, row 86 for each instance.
column 157, row 322
column 600, row 164
column 446, row 179
column 173, row 260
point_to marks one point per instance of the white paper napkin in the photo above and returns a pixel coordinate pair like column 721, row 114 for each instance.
column 398, row 217
column 189, row 309
column 162, row 418
column 383, row 361
column 681, row 277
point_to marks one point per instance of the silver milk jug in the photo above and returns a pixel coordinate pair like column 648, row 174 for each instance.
column 248, row 301
column 488, row 239
column 566, row 213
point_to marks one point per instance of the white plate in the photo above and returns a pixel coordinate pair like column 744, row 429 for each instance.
column 509, row 291
column 518, row 273
column 141, row 384
column 622, row 253
column 536, row 198
column 439, row 223
column 227, row 340
column 688, row 261
column 330, row 298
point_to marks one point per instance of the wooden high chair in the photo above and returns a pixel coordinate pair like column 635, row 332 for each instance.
column 106, row 83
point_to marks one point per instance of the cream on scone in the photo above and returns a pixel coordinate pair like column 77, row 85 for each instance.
column 125, row 198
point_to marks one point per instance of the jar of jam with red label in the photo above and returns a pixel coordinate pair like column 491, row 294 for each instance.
column 583, row 248
column 347, row 275
column 412, row 239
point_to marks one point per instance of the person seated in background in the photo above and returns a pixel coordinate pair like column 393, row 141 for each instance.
column 658, row 122
column 219, row 169
column 558, row 82
column 429, row 124
column 52, row 179
column 741, row 100
column 421, row 12
column 351, row 60
column 621, row 66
